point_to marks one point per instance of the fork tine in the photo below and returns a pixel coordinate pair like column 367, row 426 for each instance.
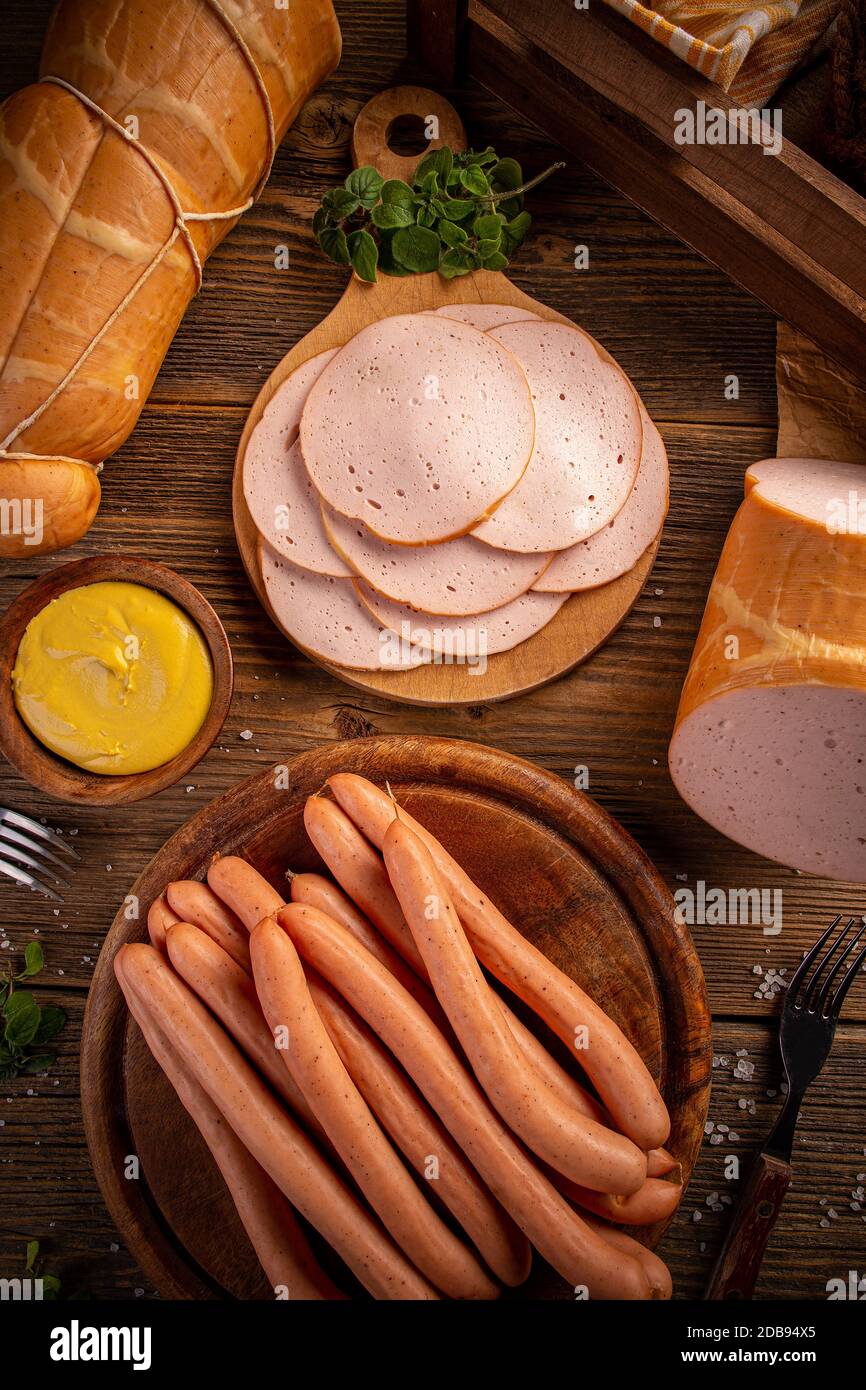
column 831, row 975
column 839, row 997
column 834, row 945
column 28, row 880
column 34, row 828
column 14, row 837
column 799, row 973
column 19, row 856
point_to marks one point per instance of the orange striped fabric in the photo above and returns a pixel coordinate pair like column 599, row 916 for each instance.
column 747, row 49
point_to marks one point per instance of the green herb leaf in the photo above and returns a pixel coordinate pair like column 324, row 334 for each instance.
column 32, row 1256
column 456, row 209
column 22, row 1019
column 474, row 180
column 506, row 174
column 333, row 242
column 341, row 203
column 513, row 232
column 488, row 226
column 450, row 233
column 456, row 262
column 38, row 1061
column 389, row 216
column 481, row 157
column 438, row 162
column 416, row 249
column 33, row 960
column 50, row 1023
column 426, row 217
column 495, row 261
column 365, row 184
column 50, row 1288
column 365, row 255
column 488, row 246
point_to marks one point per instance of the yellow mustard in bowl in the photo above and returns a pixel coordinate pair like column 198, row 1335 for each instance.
column 114, row 677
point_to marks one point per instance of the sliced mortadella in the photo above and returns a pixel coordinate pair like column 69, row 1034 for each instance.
column 587, row 444
column 483, row 316
column 455, row 578
column 617, row 548
column 482, row 634
column 418, row 427
column 281, row 499
column 325, row 618
column 769, row 744
column 285, row 507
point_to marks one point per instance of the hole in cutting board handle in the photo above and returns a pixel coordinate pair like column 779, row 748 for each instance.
column 407, row 135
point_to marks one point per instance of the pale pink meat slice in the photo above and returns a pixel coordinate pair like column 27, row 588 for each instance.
column 279, row 494
column 326, row 618
column 419, row 426
column 618, row 546
column 483, row 316
column 455, row 578
column 755, row 763
column 481, row 634
column 285, row 507
column 587, row 443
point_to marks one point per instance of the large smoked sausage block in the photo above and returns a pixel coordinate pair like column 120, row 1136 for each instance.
column 160, row 110
column 770, row 738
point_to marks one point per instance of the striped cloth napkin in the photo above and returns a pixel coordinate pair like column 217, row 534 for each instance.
column 747, row 49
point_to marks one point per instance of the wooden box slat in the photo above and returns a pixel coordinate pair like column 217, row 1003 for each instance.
column 782, row 226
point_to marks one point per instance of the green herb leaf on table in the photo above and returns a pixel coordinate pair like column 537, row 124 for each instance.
column 25, row 1028
column 461, row 211
column 33, row 960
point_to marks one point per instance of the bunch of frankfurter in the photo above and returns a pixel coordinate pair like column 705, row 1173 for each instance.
column 345, row 1058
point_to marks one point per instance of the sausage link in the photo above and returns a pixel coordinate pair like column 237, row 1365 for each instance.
column 341, row 1109
column 280, row 1245
column 656, row 1200
column 613, row 1064
column 243, row 889
column 267, row 1131
column 418, row 1133
column 547, row 1220
column 583, row 1150
column 198, row 904
column 653, row 1265
column 363, row 875
column 159, row 918
column 317, row 891
column 230, row 994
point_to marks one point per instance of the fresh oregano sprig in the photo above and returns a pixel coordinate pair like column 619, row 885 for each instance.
column 25, row 1028
column 462, row 212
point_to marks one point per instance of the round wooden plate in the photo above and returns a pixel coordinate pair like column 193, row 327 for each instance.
column 560, row 867
column 587, row 619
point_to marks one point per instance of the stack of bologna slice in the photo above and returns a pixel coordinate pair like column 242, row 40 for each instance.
column 444, row 481
column 346, row 1059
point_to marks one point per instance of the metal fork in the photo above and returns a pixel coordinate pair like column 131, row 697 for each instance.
column 26, row 845
column 808, row 1025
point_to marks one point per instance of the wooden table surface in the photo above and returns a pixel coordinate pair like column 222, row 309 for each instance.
column 679, row 328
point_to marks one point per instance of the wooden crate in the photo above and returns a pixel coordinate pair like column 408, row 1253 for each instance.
column 782, row 226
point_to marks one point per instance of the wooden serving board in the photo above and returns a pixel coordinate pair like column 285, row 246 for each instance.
column 566, row 874
column 586, row 620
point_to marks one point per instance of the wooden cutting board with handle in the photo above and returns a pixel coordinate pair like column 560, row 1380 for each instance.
column 586, row 620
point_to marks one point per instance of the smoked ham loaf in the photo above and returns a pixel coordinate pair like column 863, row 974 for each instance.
column 150, row 122
column 769, row 744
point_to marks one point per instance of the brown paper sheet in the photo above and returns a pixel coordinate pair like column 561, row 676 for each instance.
column 822, row 408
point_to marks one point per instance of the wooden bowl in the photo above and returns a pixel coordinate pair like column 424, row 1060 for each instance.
column 564, row 872
column 53, row 774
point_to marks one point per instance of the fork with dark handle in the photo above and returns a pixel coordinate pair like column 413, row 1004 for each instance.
column 808, row 1024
